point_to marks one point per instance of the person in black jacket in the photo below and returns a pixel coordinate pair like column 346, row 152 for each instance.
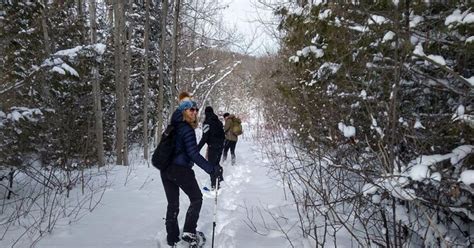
column 212, row 135
column 180, row 174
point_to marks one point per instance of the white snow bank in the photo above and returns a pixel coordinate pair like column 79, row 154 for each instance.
column 470, row 39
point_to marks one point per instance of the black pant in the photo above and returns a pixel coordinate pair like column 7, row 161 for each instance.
column 229, row 144
column 214, row 157
column 175, row 178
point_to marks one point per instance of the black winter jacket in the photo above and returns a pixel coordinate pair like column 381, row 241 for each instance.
column 212, row 132
column 186, row 152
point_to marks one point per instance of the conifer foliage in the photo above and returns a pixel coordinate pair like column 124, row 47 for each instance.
column 377, row 102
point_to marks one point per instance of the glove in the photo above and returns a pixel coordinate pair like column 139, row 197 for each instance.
column 218, row 171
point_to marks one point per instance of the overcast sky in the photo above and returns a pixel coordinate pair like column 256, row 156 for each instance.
column 244, row 16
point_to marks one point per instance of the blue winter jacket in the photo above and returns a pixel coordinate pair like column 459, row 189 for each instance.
column 186, row 152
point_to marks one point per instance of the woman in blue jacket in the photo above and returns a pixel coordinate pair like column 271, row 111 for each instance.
column 180, row 174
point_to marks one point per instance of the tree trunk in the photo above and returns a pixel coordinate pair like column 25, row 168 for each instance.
column 79, row 8
column 82, row 20
column 193, row 39
column 47, row 47
column 11, row 175
column 126, row 80
column 118, row 53
column 99, row 129
column 110, row 10
column 159, row 125
column 174, row 62
column 44, row 26
column 93, row 23
column 145, row 80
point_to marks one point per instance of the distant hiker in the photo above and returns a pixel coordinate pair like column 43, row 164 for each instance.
column 232, row 129
column 213, row 136
column 180, row 174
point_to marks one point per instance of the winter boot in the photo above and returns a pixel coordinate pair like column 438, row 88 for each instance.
column 191, row 238
column 233, row 160
column 195, row 240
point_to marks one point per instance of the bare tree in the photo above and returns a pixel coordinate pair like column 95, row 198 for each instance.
column 99, row 129
column 119, row 27
column 47, row 43
column 145, row 79
column 127, row 43
column 174, row 59
column 161, row 52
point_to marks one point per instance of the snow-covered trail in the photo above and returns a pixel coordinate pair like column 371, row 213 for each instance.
column 132, row 214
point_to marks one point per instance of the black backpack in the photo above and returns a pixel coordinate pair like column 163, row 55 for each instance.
column 163, row 155
column 216, row 134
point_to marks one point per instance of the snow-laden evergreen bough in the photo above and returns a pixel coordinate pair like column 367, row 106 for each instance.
column 376, row 102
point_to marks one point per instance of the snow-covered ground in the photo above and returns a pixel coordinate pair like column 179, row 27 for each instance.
column 252, row 209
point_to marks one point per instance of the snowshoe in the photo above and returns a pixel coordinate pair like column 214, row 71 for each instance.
column 195, row 240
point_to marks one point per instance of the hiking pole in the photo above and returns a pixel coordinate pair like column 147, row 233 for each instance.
column 215, row 213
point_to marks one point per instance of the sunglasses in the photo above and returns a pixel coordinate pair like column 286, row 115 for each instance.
column 193, row 109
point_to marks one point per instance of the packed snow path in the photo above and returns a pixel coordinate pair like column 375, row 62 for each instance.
column 132, row 211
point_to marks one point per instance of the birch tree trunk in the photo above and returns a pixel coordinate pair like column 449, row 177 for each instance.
column 159, row 125
column 99, row 129
column 118, row 54
column 145, row 80
column 174, row 61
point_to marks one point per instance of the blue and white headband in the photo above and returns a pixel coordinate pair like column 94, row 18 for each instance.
column 187, row 104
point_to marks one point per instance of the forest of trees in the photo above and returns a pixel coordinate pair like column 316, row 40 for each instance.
column 374, row 99
column 377, row 99
column 82, row 82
